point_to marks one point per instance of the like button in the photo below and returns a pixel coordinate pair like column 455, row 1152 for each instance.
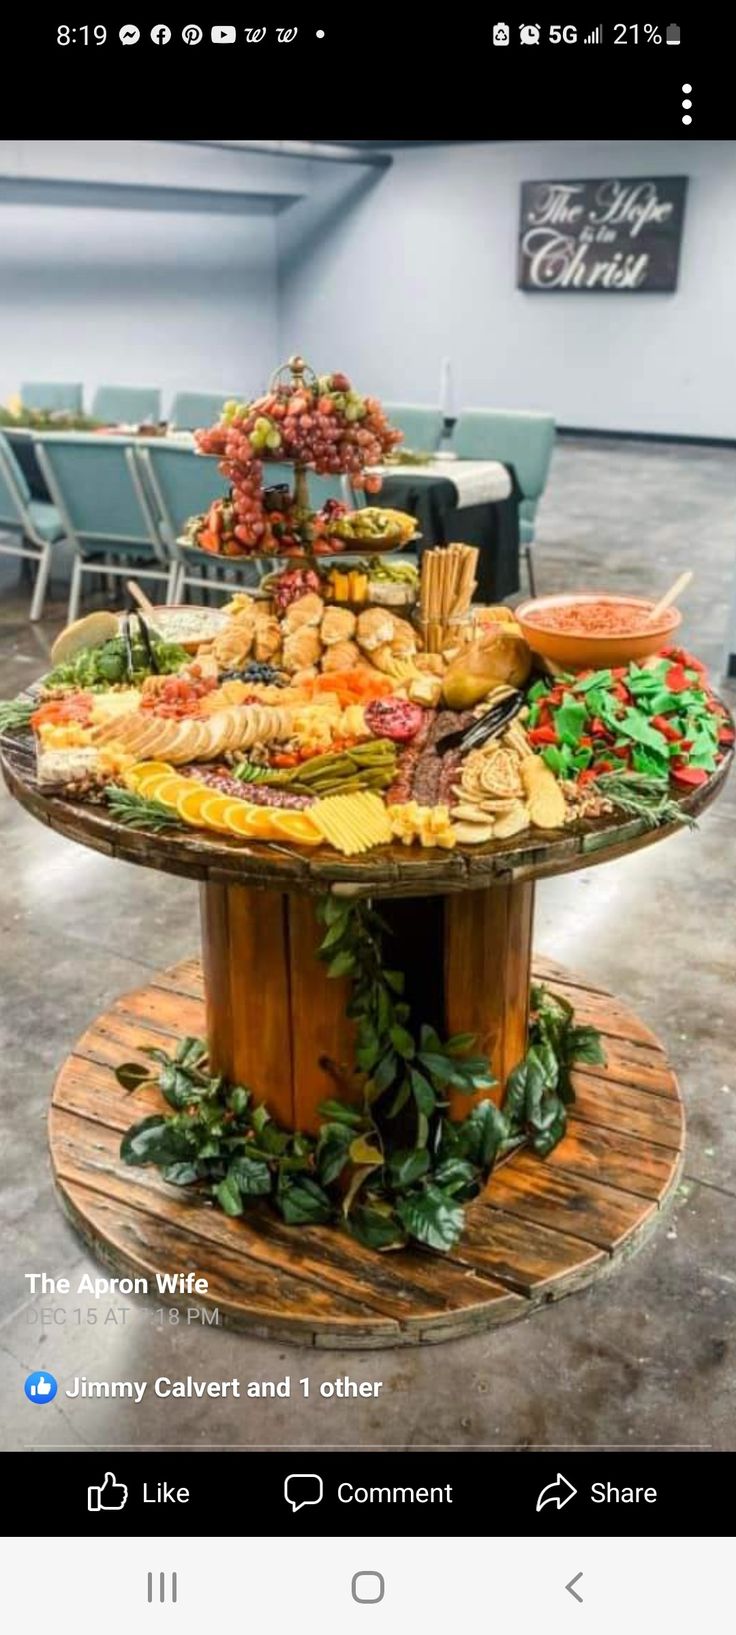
column 111, row 1495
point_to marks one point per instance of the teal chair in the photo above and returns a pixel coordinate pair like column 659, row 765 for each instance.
column 96, row 486
column 180, row 484
column 30, row 528
column 52, row 394
column 192, row 409
column 520, row 439
column 422, row 427
column 126, row 405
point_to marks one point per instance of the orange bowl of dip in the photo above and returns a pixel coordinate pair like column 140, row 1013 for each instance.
column 588, row 630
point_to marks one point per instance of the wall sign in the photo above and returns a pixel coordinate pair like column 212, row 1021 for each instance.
column 616, row 235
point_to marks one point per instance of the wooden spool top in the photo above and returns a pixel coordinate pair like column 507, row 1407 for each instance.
column 389, row 871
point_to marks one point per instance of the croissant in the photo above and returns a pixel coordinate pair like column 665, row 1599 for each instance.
column 301, row 649
column 306, row 610
column 341, row 655
column 338, row 625
column 267, row 639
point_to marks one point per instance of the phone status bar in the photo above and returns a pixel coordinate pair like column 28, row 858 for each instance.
column 186, row 34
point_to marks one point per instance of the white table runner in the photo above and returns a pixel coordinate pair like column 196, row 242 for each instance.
column 478, row 482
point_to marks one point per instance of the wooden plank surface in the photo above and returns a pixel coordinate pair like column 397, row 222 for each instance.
column 543, row 1229
column 390, row 870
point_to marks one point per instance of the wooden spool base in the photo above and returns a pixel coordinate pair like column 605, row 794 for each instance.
column 542, row 1229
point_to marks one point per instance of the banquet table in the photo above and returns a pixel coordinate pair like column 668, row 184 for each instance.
column 474, row 501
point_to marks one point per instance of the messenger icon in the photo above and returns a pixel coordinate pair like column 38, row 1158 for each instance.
column 302, row 1488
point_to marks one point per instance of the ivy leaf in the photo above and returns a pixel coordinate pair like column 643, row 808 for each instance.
column 376, row 1228
column 340, row 1113
column 260, row 1118
column 228, row 1197
column 440, row 1067
column 422, row 1092
column 190, row 1052
column 131, row 1075
column 396, row 980
column 407, row 1166
column 251, row 1176
column 460, row 1043
column 364, row 1151
column 400, row 1099
column 332, row 909
column 176, row 1086
column 457, row 1177
column 432, row 1217
column 304, row 1202
column 332, row 1151
column 480, row 1135
column 402, row 1041
column 342, row 964
column 181, row 1174
column 238, row 1099
column 429, row 1039
column 153, row 1141
column 384, row 1074
column 334, row 935
column 585, row 1045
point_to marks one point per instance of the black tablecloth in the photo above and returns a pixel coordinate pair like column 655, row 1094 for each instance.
column 494, row 527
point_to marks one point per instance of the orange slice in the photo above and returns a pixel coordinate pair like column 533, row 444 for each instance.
column 148, row 786
column 190, row 802
column 146, row 769
column 298, row 827
column 169, row 789
column 252, row 822
column 215, row 810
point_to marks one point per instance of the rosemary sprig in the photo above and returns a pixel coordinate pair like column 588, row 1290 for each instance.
column 138, row 813
column 640, row 795
column 15, row 714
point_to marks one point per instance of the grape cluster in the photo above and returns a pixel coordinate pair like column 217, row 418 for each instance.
column 323, row 424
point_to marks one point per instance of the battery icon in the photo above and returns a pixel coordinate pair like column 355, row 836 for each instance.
column 673, row 34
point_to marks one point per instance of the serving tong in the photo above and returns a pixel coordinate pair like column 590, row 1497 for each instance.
column 489, row 725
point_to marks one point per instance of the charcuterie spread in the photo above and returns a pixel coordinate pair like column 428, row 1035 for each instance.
column 300, row 720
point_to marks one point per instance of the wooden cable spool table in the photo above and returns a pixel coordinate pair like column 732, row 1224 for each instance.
column 462, row 924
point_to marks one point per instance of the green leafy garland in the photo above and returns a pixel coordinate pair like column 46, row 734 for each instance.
column 388, row 1161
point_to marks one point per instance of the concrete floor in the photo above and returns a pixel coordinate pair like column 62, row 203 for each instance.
column 648, row 1357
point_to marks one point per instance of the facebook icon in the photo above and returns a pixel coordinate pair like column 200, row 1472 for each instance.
column 160, row 34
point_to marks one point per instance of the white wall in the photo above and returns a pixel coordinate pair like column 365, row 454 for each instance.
column 423, row 264
column 135, row 263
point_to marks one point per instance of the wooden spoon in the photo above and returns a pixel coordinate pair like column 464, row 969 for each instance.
column 670, row 596
column 140, row 597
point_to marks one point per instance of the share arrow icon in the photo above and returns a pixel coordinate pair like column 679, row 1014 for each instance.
column 559, row 1493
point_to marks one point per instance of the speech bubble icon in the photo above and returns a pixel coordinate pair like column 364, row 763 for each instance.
column 303, row 1488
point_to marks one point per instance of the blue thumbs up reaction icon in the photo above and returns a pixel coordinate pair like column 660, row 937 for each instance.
column 40, row 1388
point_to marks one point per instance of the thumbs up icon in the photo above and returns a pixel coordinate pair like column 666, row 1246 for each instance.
column 110, row 1495
column 40, row 1388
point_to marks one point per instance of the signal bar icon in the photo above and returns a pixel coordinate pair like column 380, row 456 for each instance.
column 595, row 37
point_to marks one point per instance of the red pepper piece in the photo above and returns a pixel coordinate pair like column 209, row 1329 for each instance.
column 692, row 776
column 587, row 775
column 675, row 679
column 666, row 728
column 585, row 743
column 618, row 672
column 598, row 728
column 726, row 735
column 543, row 735
column 621, row 693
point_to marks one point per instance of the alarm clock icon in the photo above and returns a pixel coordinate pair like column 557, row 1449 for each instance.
column 529, row 33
